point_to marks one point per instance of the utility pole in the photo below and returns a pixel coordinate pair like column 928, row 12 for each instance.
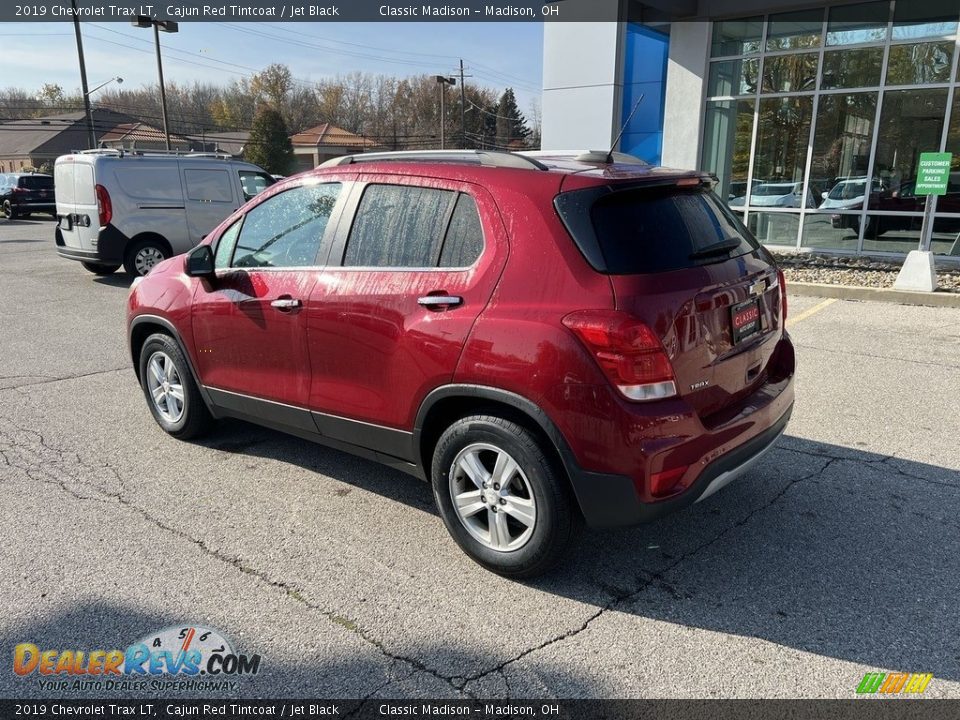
column 91, row 139
column 169, row 26
column 463, row 108
column 443, row 81
column 163, row 91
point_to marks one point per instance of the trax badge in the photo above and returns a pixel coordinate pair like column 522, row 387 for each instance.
column 701, row 384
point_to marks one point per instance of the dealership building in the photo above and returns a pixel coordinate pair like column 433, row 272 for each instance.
column 812, row 116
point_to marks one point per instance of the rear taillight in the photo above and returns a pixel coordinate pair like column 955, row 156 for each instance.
column 628, row 351
column 18, row 190
column 783, row 295
column 104, row 206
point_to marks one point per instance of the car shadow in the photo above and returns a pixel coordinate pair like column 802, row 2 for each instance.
column 118, row 279
column 820, row 548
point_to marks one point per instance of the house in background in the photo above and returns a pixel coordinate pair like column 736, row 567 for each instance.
column 221, row 141
column 141, row 136
column 315, row 145
column 37, row 142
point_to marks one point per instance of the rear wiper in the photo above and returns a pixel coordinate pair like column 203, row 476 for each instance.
column 721, row 248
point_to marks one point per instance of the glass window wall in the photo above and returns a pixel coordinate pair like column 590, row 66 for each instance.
column 815, row 120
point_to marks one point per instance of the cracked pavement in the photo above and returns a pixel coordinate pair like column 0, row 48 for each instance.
column 836, row 556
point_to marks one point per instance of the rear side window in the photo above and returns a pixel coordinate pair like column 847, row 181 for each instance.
column 36, row 182
column 399, row 226
column 208, row 186
column 286, row 230
column 402, row 226
column 649, row 230
column 464, row 241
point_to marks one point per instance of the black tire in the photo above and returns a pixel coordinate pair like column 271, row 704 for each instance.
column 130, row 259
column 98, row 269
column 8, row 212
column 554, row 525
column 195, row 418
column 871, row 230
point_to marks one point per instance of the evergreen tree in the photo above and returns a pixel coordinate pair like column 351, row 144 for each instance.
column 511, row 125
column 269, row 145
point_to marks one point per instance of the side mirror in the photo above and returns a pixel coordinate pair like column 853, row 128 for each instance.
column 825, row 194
column 200, row 262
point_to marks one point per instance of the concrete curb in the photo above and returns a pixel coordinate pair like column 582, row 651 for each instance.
column 855, row 292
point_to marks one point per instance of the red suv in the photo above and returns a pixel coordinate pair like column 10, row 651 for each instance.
column 541, row 338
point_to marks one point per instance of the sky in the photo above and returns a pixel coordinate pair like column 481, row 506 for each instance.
column 497, row 55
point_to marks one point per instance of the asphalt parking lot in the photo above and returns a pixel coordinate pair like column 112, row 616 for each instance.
column 837, row 556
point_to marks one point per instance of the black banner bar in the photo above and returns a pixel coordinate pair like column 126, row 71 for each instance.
column 312, row 11
column 893, row 709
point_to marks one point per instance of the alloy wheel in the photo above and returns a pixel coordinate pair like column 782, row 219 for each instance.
column 492, row 497
column 166, row 387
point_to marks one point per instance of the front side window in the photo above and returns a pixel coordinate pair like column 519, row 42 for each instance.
column 254, row 183
column 287, row 229
column 225, row 246
column 399, row 226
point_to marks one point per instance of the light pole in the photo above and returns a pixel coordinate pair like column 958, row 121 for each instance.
column 168, row 26
column 443, row 81
column 91, row 138
column 86, row 102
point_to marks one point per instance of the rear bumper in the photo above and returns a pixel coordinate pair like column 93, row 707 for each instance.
column 31, row 206
column 111, row 246
column 612, row 500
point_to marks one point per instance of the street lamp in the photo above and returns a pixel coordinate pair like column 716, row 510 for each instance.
column 117, row 80
column 86, row 101
column 443, row 81
column 168, row 26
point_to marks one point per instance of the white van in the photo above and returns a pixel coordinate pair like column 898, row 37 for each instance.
column 136, row 208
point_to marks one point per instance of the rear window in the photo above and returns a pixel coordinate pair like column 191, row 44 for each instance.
column 649, row 230
column 36, row 182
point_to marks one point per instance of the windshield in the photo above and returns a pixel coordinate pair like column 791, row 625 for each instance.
column 848, row 190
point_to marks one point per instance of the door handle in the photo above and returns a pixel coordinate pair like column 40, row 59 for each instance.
column 286, row 304
column 440, row 302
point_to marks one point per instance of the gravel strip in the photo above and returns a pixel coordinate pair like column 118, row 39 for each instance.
column 860, row 271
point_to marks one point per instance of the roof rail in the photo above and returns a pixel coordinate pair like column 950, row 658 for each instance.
column 487, row 158
column 138, row 152
column 588, row 156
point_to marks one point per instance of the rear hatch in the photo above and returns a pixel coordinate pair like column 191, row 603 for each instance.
column 77, row 212
column 685, row 265
column 35, row 190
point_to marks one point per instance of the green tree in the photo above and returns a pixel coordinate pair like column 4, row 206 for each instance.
column 511, row 125
column 269, row 145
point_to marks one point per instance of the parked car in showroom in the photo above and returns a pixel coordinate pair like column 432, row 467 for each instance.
column 137, row 208
column 23, row 194
column 543, row 338
column 776, row 194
